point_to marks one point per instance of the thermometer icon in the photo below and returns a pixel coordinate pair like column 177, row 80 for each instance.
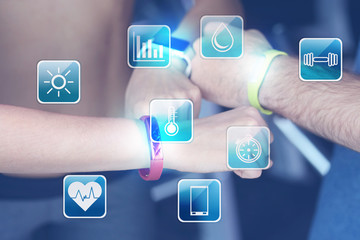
column 171, row 128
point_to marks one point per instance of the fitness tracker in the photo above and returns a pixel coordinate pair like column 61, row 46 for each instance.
column 254, row 86
column 156, row 154
column 181, row 49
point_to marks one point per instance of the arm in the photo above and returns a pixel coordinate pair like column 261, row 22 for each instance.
column 36, row 142
column 172, row 81
column 328, row 109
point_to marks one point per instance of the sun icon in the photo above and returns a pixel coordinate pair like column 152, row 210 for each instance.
column 58, row 82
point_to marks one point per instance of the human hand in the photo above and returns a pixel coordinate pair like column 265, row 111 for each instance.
column 207, row 151
column 224, row 81
column 148, row 84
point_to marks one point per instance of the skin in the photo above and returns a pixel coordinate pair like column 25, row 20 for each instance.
column 328, row 109
column 107, row 144
column 62, row 33
column 172, row 83
column 43, row 140
column 76, row 144
column 209, row 143
column 138, row 100
column 54, row 32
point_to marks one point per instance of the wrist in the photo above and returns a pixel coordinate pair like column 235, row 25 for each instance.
column 169, row 151
column 176, row 156
column 278, row 80
column 254, row 84
column 142, row 158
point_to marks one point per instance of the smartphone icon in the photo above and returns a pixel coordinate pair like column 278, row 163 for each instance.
column 199, row 201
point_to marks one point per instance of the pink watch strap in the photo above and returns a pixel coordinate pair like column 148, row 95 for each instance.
column 156, row 154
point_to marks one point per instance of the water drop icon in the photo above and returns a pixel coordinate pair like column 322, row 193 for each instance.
column 222, row 39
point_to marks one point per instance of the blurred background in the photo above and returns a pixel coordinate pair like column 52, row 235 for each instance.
column 280, row 205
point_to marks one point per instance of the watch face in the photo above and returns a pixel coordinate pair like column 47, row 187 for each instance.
column 248, row 149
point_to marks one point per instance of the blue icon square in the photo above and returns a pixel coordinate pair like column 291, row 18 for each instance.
column 320, row 59
column 221, row 36
column 84, row 196
column 248, row 147
column 149, row 46
column 199, row 200
column 58, row 82
column 175, row 120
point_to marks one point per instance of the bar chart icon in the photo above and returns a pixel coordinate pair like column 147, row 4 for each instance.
column 149, row 46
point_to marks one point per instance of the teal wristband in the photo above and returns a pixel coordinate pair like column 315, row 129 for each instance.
column 254, row 86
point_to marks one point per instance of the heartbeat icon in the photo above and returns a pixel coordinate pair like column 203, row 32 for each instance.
column 84, row 195
column 91, row 195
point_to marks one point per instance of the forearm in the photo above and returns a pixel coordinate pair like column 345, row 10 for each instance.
column 329, row 109
column 190, row 25
column 36, row 142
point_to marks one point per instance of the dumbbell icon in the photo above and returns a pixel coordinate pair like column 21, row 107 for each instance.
column 332, row 59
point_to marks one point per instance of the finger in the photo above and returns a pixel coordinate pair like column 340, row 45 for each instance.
column 271, row 137
column 260, row 120
column 270, row 165
column 196, row 46
column 196, row 97
column 197, row 108
column 251, row 174
column 248, row 174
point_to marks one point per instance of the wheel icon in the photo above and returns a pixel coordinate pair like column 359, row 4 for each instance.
column 248, row 149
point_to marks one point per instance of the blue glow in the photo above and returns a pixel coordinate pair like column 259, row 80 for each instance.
column 172, row 114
